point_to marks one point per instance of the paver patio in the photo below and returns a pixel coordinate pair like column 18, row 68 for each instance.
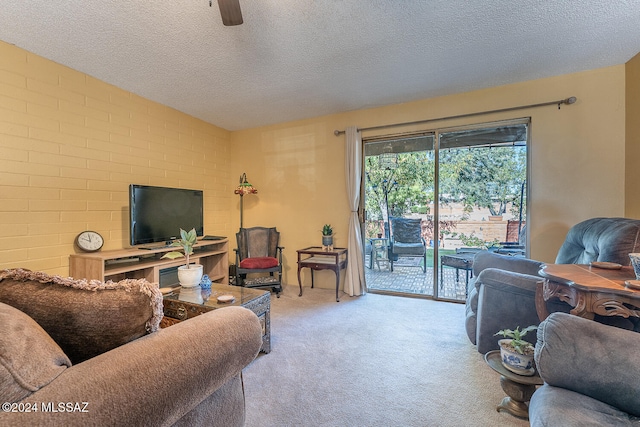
column 411, row 280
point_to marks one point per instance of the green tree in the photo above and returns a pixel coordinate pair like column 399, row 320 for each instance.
column 480, row 177
column 484, row 177
column 394, row 191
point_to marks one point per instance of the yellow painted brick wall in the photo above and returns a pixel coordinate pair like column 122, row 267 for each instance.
column 70, row 145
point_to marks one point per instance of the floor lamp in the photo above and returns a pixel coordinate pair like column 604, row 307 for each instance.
column 241, row 190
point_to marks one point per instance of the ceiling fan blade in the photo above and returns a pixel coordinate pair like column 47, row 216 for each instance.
column 230, row 12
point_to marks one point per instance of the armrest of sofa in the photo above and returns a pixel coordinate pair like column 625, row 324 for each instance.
column 590, row 358
column 506, row 300
column 486, row 259
column 156, row 379
column 508, row 281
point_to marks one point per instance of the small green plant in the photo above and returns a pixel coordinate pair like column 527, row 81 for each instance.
column 327, row 230
column 186, row 242
column 517, row 342
column 471, row 241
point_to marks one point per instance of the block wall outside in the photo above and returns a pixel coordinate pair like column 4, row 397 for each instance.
column 70, row 145
column 488, row 231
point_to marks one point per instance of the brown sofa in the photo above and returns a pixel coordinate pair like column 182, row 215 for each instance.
column 79, row 353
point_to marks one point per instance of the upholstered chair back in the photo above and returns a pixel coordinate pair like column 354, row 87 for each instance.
column 601, row 239
column 257, row 242
column 406, row 230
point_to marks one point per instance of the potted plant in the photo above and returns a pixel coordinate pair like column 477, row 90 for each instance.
column 517, row 353
column 327, row 235
column 189, row 275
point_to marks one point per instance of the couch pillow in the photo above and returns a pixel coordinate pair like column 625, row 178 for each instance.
column 29, row 358
column 85, row 318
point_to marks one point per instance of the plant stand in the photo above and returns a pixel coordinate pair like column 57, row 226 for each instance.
column 519, row 388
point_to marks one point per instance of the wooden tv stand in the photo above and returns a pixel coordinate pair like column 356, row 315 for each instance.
column 136, row 263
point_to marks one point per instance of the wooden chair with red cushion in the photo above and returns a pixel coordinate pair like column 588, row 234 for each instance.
column 258, row 254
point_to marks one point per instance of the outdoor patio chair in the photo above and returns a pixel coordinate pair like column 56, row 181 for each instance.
column 259, row 255
column 407, row 241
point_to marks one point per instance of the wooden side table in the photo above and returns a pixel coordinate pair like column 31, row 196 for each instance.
column 590, row 291
column 315, row 258
column 519, row 388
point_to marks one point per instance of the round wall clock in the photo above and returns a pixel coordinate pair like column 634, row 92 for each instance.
column 89, row 241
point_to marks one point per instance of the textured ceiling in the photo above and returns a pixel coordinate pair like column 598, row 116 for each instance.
column 295, row 59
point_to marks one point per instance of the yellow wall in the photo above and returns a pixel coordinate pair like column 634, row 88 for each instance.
column 632, row 154
column 70, row 145
column 577, row 159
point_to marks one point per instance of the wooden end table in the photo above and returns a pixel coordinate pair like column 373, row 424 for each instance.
column 519, row 388
column 589, row 290
column 315, row 258
column 183, row 304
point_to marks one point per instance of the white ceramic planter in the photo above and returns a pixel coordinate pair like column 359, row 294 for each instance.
column 517, row 363
column 190, row 277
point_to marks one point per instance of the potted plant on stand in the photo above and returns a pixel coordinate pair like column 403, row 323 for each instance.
column 189, row 275
column 327, row 237
column 515, row 352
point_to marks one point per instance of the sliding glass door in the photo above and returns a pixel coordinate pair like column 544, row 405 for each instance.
column 482, row 175
column 478, row 177
column 399, row 185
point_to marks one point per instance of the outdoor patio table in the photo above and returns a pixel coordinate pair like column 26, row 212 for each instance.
column 459, row 261
column 379, row 251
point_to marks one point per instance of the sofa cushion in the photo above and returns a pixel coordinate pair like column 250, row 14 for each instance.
column 85, row 318
column 29, row 358
column 408, row 248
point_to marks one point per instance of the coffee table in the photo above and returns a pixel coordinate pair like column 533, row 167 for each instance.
column 519, row 388
column 185, row 303
column 589, row 290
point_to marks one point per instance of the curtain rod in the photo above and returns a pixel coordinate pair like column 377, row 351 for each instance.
column 567, row 101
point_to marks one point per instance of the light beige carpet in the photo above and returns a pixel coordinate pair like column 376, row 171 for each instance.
column 373, row 360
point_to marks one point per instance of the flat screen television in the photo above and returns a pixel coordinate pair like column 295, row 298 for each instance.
column 157, row 214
